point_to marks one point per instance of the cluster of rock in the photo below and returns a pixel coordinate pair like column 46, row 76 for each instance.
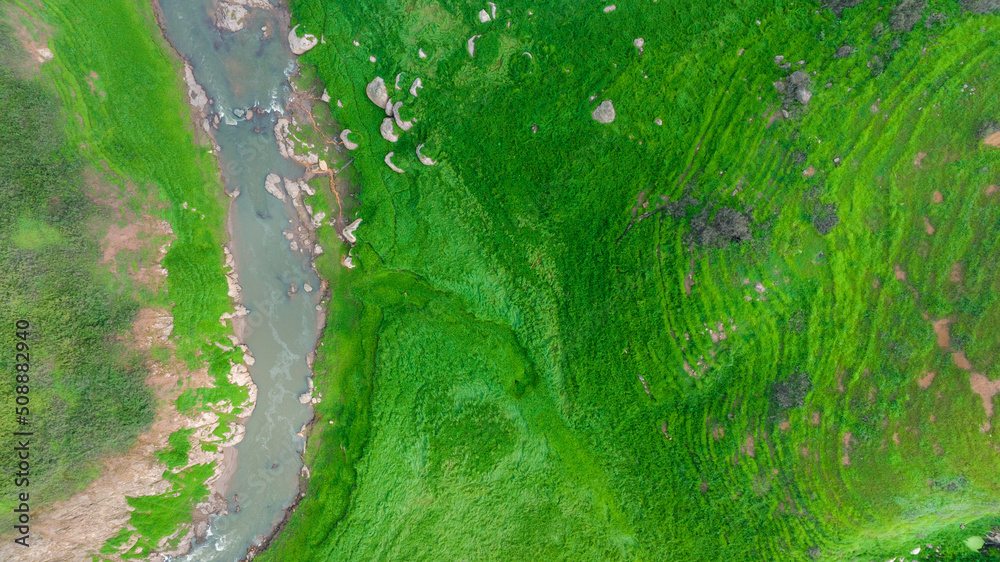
column 301, row 237
column 378, row 93
column 231, row 15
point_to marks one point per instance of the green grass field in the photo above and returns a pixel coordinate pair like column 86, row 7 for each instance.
column 700, row 340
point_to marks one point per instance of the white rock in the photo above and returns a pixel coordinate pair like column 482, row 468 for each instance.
column 372, row 59
column 483, row 16
column 44, row 54
column 421, row 53
column 230, row 17
column 349, row 231
column 273, row 186
column 300, row 45
column 340, row 104
column 425, row 160
column 658, row 121
column 388, row 108
column 493, row 10
column 608, row 9
column 293, row 190
column 470, row 45
column 326, row 96
column 347, row 262
column 405, row 125
column 387, row 130
column 397, row 81
column 915, row 551
column 393, row 167
column 307, row 287
column 413, row 87
column 347, row 143
column 605, row 113
column 377, row 92
column 639, row 42
column 317, row 220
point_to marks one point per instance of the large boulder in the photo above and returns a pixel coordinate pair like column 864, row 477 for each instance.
column 377, row 92
column 470, row 45
column 387, row 130
column 393, row 167
column 425, row 160
column 416, row 84
column 347, row 142
column 605, row 113
column 272, row 183
column 405, row 125
column 300, row 45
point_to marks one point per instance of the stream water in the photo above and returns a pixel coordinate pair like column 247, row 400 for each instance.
column 242, row 70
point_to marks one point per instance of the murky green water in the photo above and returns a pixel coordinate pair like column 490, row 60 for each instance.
column 239, row 71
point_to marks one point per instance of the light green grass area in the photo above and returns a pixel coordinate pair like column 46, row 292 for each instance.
column 111, row 100
column 772, row 282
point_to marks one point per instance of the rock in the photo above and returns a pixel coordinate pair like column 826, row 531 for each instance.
column 196, row 94
column 293, row 190
column 470, row 45
column 609, row 9
column 605, row 113
column 397, row 81
column 803, row 95
column 377, row 92
column 421, row 53
column 285, row 145
column 230, row 17
column 300, row 45
column 405, row 125
column 493, row 10
column 326, row 96
column 843, row 52
column 340, row 104
column 778, row 59
column 347, row 143
column 347, row 262
column 387, row 130
column 44, row 54
column 413, row 87
column 273, row 186
column 393, row 167
column 639, row 42
column 388, row 108
column 658, row 121
column 349, row 231
column 426, row 161
column 483, row 16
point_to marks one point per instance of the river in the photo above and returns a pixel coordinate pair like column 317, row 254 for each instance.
column 239, row 70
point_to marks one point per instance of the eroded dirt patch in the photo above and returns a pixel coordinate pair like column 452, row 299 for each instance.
column 33, row 35
column 927, row 380
column 942, row 332
column 986, row 389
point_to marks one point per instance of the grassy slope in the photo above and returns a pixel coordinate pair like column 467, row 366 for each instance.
column 87, row 393
column 135, row 122
column 482, row 380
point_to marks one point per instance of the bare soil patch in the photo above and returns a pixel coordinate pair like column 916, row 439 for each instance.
column 33, row 35
column 956, row 273
column 845, row 459
column 928, row 227
column 815, row 418
column 900, row 274
column 927, row 380
column 749, row 446
column 986, row 389
column 936, row 197
column 942, row 332
column 919, row 158
column 961, row 361
column 993, row 140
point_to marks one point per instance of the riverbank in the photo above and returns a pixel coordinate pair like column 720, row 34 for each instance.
column 162, row 210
